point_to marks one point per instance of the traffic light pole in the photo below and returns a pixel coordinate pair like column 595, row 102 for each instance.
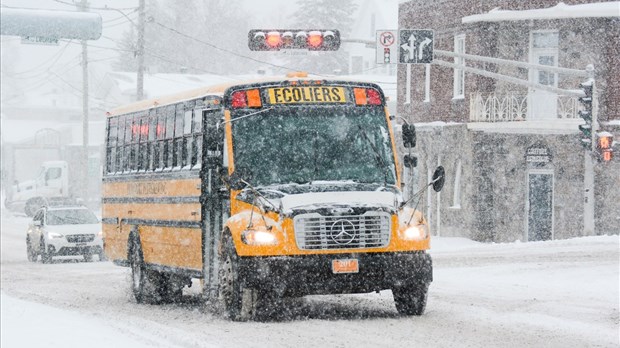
column 588, row 180
column 83, row 5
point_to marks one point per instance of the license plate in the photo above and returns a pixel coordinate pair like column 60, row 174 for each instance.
column 345, row 266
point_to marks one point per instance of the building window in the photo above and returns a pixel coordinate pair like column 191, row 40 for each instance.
column 459, row 74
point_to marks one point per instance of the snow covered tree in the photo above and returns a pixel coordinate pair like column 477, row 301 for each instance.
column 323, row 14
column 196, row 37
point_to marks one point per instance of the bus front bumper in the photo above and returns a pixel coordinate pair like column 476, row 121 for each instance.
column 314, row 274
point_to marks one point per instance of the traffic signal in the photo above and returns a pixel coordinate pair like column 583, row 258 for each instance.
column 586, row 114
column 307, row 39
column 604, row 146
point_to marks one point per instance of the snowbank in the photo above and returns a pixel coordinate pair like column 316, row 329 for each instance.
column 29, row 324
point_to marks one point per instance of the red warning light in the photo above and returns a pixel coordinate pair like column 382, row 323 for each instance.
column 315, row 39
column 273, row 39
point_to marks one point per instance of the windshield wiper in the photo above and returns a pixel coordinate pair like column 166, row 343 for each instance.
column 248, row 115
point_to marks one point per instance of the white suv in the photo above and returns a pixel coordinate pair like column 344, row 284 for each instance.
column 64, row 231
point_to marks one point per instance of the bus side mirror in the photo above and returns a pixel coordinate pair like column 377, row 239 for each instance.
column 439, row 178
column 238, row 180
column 410, row 161
column 408, row 135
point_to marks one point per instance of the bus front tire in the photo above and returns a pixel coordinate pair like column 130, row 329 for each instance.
column 239, row 302
column 411, row 300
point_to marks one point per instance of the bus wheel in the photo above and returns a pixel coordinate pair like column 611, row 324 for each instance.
column 170, row 288
column 411, row 300
column 143, row 287
column 238, row 301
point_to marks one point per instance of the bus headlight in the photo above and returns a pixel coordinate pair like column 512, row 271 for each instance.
column 416, row 232
column 258, row 237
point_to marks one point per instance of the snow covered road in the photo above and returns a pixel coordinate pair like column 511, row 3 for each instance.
column 543, row 294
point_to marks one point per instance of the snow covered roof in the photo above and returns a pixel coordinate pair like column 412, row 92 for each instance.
column 559, row 11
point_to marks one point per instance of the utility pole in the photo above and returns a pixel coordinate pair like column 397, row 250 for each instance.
column 140, row 53
column 83, row 6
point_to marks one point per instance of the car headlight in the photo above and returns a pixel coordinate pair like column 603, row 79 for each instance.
column 54, row 235
column 258, row 237
column 415, row 232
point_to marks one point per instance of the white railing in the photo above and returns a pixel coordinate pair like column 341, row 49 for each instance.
column 513, row 107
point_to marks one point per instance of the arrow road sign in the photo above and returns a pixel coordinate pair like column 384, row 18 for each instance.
column 415, row 46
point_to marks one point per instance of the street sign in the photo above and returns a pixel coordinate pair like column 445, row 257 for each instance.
column 387, row 48
column 415, row 46
column 40, row 40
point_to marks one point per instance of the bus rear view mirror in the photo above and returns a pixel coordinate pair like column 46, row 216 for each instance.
column 409, row 135
column 238, row 180
column 439, row 177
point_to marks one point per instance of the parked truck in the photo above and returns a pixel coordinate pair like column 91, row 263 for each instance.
column 51, row 182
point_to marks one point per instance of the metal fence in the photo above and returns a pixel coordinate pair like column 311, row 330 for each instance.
column 514, row 107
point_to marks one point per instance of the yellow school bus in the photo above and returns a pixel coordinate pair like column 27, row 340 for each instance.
column 263, row 190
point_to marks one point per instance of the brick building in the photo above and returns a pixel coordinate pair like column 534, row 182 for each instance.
column 513, row 157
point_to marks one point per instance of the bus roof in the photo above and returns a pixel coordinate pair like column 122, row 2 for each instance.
column 213, row 90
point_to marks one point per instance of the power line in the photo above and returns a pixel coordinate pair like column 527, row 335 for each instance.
column 55, row 59
column 226, row 50
column 106, row 8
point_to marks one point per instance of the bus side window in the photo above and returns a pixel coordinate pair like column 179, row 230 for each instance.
column 127, row 144
column 119, row 144
column 160, row 134
column 187, row 138
column 143, row 143
column 197, row 138
column 168, row 145
column 111, row 144
column 178, row 136
column 135, row 138
column 150, row 147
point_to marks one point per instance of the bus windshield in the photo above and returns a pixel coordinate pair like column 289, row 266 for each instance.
column 296, row 144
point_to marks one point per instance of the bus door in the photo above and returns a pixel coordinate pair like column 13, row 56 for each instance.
column 214, row 198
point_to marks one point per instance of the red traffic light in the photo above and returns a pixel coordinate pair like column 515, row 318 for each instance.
column 308, row 39
column 604, row 144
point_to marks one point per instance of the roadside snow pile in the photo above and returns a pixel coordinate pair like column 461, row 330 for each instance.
column 29, row 324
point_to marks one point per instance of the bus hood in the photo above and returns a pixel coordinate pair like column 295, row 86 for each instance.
column 322, row 199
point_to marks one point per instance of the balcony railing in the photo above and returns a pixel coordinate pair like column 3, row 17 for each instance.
column 513, row 107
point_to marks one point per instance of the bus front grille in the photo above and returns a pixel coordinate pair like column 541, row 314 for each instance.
column 314, row 231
